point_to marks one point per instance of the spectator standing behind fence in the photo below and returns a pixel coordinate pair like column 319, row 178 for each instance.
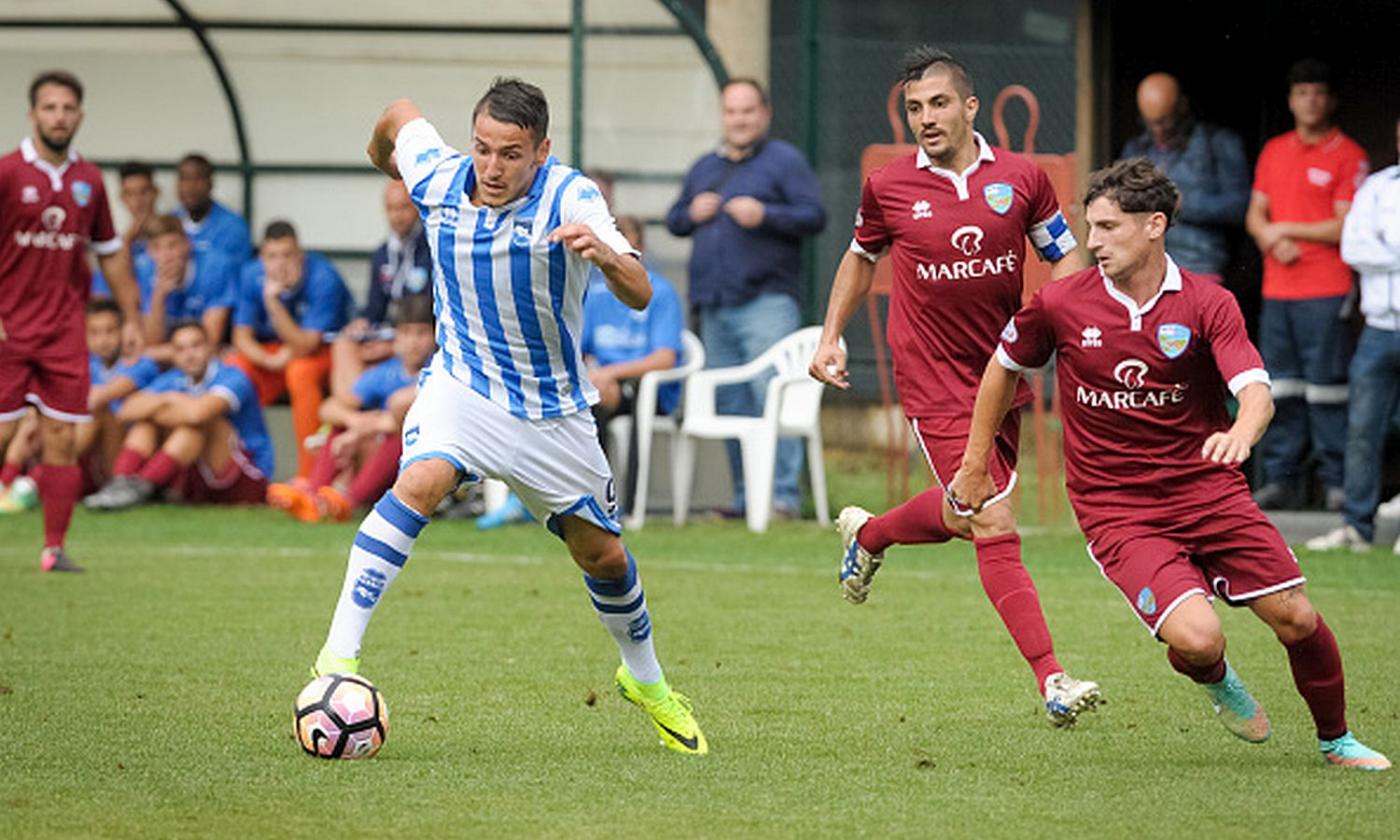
column 1371, row 245
column 1303, row 185
column 402, row 266
column 210, row 224
column 1206, row 162
column 749, row 205
column 290, row 304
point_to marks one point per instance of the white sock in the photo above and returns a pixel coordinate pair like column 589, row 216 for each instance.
column 381, row 548
column 622, row 607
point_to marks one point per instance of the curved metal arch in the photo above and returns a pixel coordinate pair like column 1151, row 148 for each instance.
column 245, row 155
column 696, row 31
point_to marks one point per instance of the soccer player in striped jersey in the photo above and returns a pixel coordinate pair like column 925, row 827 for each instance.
column 514, row 234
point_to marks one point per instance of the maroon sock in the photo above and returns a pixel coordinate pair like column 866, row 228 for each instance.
column 378, row 473
column 917, row 521
column 1008, row 585
column 1203, row 674
column 1317, row 671
column 128, row 462
column 324, row 470
column 9, row 473
column 58, row 489
column 161, row 469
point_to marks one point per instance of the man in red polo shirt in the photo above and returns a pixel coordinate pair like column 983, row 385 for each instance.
column 1303, row 186
column 1152, row 455
column 53, row 210
column 954, row 217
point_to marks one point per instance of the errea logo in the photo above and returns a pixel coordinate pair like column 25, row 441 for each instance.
column 1091, row 337
column 922, row 210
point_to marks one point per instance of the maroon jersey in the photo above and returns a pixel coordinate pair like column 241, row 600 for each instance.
column 49, row 217
column 1141, row 388
column 957, row 244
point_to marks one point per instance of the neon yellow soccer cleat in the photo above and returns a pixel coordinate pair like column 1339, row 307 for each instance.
column 671, row 715
column 329, row 663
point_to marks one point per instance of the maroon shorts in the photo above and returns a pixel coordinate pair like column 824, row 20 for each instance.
column 240, row 484
column 1232, row 551
column 944, row 440
column 53, row 378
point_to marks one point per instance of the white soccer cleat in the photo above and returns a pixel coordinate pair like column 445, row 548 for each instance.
column 858, row 566
column 1390, row 509
column 1338, row 538
column 1066, row 698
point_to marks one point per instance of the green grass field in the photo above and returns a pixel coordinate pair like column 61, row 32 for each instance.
column 152, row 696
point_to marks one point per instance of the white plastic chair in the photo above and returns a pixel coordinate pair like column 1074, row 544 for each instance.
column 650, row 423
column 791, row 408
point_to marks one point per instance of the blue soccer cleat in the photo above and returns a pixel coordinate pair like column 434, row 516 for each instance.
column 511, row 512
column 1346, row 751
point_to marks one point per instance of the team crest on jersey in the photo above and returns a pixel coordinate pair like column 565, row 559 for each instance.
column 29, row 195
column 520, row 236
column 999, row 197
column 1173, row 338
column 82, row 192
column 1009, row 333
column 1146, row 601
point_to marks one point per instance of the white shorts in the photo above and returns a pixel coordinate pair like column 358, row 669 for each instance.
column 555, row 466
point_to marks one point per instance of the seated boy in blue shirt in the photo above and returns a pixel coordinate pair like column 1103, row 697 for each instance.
column 197, row 429
column 360, row 458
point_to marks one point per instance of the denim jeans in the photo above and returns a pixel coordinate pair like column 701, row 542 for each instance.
column 1375, row 389
column 734, row 335
column 1305, row 346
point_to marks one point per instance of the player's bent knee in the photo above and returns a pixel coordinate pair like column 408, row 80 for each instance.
column 1289, row 614
column 422, row 484
column 1193, row 630
column 997, row 520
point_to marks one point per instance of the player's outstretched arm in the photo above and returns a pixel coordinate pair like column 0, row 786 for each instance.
column 625, row 274
column 972, row 486
column 1233, row 446
column 848, row 290
column 1068, row 264
column 400, row 113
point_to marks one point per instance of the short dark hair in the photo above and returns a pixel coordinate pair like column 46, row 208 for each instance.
column 104, row 305
column 919, row 60
column 515, row 101
column 414, row 309
column 136, row 169
column 279, row 229
column 1310, row 70
column 199, row 160
column 1136, row 185
column 55, row 77
column 751, row 82
column 186, row 324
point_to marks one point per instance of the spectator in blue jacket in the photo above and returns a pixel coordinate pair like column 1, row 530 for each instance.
column 749, row 205
column 1206, row 163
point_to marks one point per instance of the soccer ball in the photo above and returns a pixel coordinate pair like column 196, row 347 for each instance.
column 341, row 716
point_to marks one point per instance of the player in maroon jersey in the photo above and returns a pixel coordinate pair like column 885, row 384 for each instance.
column 1144, row 355
column 53, row 209
column 954, row 217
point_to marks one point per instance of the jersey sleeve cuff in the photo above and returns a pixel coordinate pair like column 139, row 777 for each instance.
column 229, row 396
column 108, row 248
column 869, row 255
column 1004, row 359
column 1239, row 381
column 1052, row 238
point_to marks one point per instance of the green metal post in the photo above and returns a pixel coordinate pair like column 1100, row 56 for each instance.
column 576, row 37
column 811, row 135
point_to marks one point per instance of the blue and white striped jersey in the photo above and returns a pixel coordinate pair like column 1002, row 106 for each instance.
column 508, row 303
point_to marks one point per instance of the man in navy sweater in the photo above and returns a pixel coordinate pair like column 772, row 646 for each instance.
column 749, row 205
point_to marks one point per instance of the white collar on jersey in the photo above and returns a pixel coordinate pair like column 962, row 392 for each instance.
column 31, row 157
column 959, row 179
column 1170, row 283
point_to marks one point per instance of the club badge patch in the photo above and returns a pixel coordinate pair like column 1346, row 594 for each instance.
column 1173, row 338
column 82, row 192
column 1146, row 601
column 999, row 197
